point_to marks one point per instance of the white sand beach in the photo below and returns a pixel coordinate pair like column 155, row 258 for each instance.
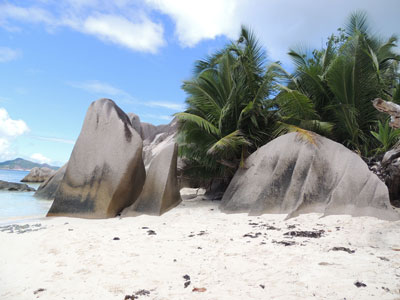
column 226, row 257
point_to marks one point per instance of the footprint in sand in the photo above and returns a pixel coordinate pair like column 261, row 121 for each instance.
column 57, row 275
column 61, row 264
column 83, row 271
column 54, row 251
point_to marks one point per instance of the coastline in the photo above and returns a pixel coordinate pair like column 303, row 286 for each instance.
column 231, row 256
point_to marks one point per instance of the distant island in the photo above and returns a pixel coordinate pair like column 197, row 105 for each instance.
column 23, row 165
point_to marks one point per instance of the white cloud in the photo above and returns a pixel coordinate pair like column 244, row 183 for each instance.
column 98, row 87
column 9, row 130
column 198, row 20
column 53, row 139
column 279, row 24
column 144, row 36
column 27, row 14
column 10, row 127
column 7, row 54
column 156, row 117
column 168, row 105
column 40, row 158
column 103, row 89
column 134, row 31
column 4, row 147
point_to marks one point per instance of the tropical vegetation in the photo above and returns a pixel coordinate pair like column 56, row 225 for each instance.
column 237, row 102
column 228, row 114
column 336, row 84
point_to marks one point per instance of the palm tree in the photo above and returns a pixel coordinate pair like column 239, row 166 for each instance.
column 227, row 115
column 340, row 81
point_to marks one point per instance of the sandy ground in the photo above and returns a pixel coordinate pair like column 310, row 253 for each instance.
column 194, row 245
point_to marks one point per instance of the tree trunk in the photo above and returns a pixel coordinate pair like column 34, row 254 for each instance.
column 390, row 108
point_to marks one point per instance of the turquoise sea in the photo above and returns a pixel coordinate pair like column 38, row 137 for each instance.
column 17, row 205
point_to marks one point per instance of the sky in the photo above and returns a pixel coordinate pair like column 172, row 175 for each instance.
column 57, row 56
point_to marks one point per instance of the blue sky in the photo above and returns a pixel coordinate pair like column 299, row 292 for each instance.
column 56, row 57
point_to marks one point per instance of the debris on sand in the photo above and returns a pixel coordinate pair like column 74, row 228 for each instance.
column 135, row 295
column 285, row 243
column 264, row 226
column 142, row 293
column 343, row 249
column 15, row 228
column 38, row 291
column 252, row 235
column 187, row 282
column 199, row 290
column 359, row 284
column 383, row 258
column 309, row 234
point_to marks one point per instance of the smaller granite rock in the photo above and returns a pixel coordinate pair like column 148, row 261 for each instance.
column 148, row 131
column 47, row 190
column 191, row 193
column 12, row 186
column 135, row 120
column 38, row 175
column 161, row 191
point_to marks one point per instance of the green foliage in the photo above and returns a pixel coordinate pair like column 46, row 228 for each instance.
column 340, row 81
column 386, row 136
column 228, row 113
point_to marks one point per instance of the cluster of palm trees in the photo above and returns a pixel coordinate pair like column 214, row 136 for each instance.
column 236, row 102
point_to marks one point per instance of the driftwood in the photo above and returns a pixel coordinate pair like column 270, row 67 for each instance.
column 390, row 108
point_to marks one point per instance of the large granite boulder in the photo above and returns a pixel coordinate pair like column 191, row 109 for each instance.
column 38, row 175
column 295, row 175
column 47, row 190
column 15, row 187
column 161, row 191
column 105, row 172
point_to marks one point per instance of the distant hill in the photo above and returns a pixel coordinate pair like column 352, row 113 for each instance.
column 23, row 164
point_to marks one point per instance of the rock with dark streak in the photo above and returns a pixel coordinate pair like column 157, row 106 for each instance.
column 105, row 172
column 302, row 173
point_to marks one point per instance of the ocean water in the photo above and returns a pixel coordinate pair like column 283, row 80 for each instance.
column 20, row 204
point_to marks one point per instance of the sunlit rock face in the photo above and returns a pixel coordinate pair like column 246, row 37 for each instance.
column 161, row 190
column 299, row 173
column 105, row 172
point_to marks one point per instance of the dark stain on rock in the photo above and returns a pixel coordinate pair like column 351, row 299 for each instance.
column 125, row 119
column 78, row 203
column 273, row 194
